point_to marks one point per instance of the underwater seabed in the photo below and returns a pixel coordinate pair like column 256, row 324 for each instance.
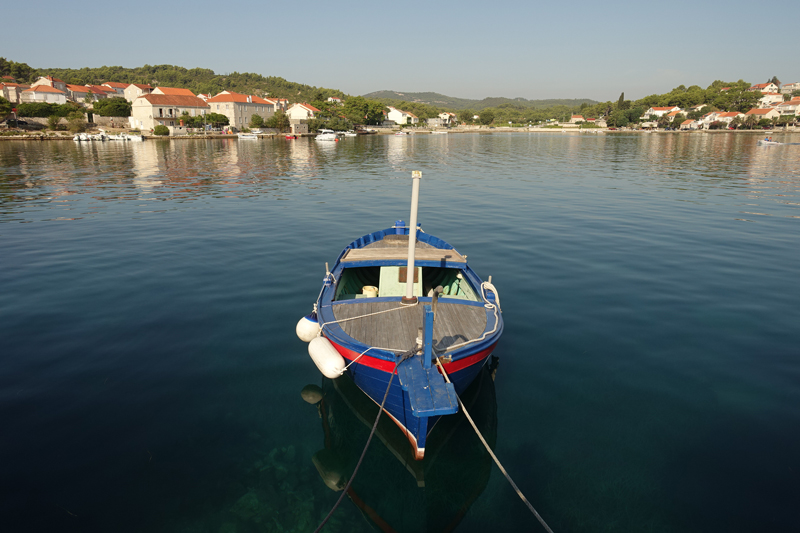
column 392, row 490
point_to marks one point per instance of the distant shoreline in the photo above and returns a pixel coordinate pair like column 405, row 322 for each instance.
column 458, row 130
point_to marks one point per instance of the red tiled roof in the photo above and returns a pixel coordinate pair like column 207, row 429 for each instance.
column 172, row 99
column 99, row 89
column 141, row 85
column 174, row 91
column 78, row 88
column 44, row 89
column 51, row 78
column 763, row 111
column 116, row 84
column 687, row 121
column 759, row 85
column 672, row 114
column 308, row 106
column 239, row 98
column 577, row 116
column 729, row 114
column 8, row 77
column 663, row 108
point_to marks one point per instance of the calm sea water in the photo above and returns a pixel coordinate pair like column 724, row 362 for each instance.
column 648, row 375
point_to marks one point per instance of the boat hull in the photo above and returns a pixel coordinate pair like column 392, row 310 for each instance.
column 372, row 375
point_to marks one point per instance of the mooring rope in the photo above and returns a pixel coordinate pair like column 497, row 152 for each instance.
column 363, row 453
column 496, row 460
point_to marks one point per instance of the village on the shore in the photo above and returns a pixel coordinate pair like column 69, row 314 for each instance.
column 178, row 111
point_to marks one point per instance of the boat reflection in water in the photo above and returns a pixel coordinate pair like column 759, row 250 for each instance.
column 392, row 489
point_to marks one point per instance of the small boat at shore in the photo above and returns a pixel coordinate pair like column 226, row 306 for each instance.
column 406, row 318
column 247, row 136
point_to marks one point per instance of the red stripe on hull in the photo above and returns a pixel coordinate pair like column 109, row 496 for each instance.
column 388, row 366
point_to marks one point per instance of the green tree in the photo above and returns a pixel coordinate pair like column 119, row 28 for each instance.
column 5, row 106
column 76, row 122
column 618, row 119
column 465, row 115
column 52, row 122
column 161, row 130
column 256, row 121
column 775, row 80
column 112, row 107
column 750, row 121
column 487, row 117
column 215, row 119
column 278, row 121
column 737, row 122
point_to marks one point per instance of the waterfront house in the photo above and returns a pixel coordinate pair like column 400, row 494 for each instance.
column 280, row 103
column 789, row 88
column 172, row 91
column 659, row 111
column 301, row 112
column 728, row 116
column 151, row 110
column 50, row 81
column 13, row 91
column 770, row 99
column 240, row 108
column 689, row 125
column 763, row 112
column 44, row 93
column 398, row 116
column 790, row 108
column 574, row 119
column 135, row 90
column 448, row 118
column 672, row 114
column 764, row 88
column 117, row 87
column 78, row 93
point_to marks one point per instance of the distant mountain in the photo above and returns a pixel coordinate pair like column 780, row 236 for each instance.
column 450, row 102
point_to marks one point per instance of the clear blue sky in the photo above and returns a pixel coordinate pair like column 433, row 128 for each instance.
column 467, row 49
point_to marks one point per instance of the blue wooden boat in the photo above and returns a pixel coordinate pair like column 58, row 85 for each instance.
column 373, row 320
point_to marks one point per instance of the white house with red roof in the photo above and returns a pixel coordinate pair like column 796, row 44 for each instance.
column 135, row 90
column 728, row 116
column 789, row 108
column 50, row 81
column 672, row 114
column 660, row 111
column 335, row 100
column 301, row 112
column 398, row 116
column 789, row 88
column 151, row 110
column 172, row 91
column 689, row 124
column 763, row 112
column 240, row 108
column 13, row 91
column 43, row 93
column 574, row 119
column 764, row 88
column 770, row 99
column 117, row 87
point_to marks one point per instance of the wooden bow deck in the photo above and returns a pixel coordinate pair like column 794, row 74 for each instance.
column 398, row 329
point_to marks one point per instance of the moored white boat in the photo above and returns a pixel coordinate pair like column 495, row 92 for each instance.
column 248, row 136
column 326, row 135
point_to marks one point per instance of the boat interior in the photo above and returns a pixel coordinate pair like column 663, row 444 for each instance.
column 390, row 281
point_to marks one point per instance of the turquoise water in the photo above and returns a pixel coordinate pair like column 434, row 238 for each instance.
column 647, row 375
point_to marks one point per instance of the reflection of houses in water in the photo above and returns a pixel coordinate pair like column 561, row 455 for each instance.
column 144, row 164
column 393, row 490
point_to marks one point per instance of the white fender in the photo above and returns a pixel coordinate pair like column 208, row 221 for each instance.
column 307, row 328
column 325, row 356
